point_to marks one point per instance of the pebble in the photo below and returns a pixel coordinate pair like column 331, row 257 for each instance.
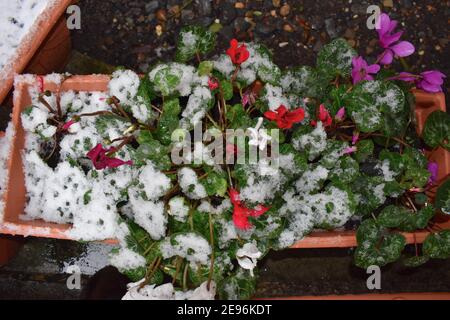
column 158, row 30
column 283, row 44
column 239, row 5
column 187, row 15
column 227, row 13
column 330, row 26
column 388, row 3
column 288, row 28
column 264, row 29
column 285, row 10
column 349, row 33
column 204, row 7
column 151, row 6
column 276, row 3
column 161, row 15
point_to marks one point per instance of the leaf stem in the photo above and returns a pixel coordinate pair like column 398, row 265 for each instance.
column 211, row 267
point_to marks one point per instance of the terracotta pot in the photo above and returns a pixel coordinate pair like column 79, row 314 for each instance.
column 426, row 103
column 43, row 51
column 8, row 248
column 15, row 194
column 374, row 296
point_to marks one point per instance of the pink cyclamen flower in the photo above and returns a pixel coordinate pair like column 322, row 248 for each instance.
column 389, row 41
column 245, row 100
column 100, row 159
column 67, row 125
column 213, row 84
column 340, row 115
column 429, row 81
column 355, row 137
column 350, row 150
column 433, row 168
column 362, row 71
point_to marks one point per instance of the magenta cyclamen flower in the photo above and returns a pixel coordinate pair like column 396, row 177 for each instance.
column 350, row 150
column 340, row 115
column 362, row 71
column 66, row 126
column 389, row 41
column 430, row 81
column 355, row 137
column 433, row 168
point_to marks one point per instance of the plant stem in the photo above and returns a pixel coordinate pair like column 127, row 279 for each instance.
column 92, row 114
column 229, row 176
column 116, row 103
column 393, row 138
column 124, row 142
column 45, row 103
column 177, row 269
column 185, row 276
column 211, row 236
column 212, row 120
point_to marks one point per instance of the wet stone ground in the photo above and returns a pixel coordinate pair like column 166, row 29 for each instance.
column 117, row 32
column 138, row 34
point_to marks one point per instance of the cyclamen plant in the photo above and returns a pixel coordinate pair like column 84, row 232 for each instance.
column 348, row 151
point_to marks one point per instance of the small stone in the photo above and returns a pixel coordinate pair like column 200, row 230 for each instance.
column 349, row 33
column 264, row 29
column 204, row 7
column 276, row 3
column 151, row 6
column 330, row 26
column 241, row 25
column 239, row 5
column 158, row 30
column 187, row 15
column 283, row 44
column 421, row 52
column 273, row 13
column 175, row 10
column 388, row 3
column 285, row 10
column 318, row 46
column 288, row 28
column 227, row 13
column 161, row 15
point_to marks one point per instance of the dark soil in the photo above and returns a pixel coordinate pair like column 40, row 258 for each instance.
column 124, row 33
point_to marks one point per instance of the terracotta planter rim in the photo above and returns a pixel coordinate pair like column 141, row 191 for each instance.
column 98, row 82
column 31, row 43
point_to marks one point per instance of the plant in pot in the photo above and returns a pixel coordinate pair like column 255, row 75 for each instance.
column 191, row 219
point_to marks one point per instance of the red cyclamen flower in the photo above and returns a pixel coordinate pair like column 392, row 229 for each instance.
column 100, row 160
column 324, row 117
column 67, row 125
column 285, row 119
column 213, row 84
column 40, row 80
column 238, row 53
column 241, row 213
